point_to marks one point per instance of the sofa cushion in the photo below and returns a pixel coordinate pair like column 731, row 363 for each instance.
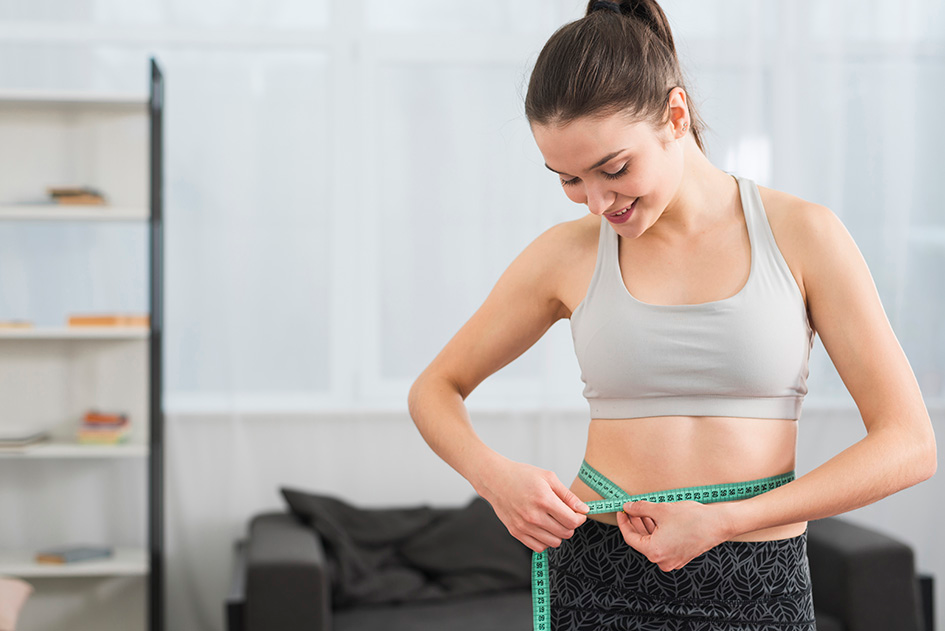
column 389, row 555
column 470, row 550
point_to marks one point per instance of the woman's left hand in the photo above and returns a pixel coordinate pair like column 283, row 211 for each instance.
column 672, row 534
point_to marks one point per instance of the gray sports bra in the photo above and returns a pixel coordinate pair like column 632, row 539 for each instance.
column 743, row 356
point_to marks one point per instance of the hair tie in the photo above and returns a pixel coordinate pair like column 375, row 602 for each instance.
column 606, row 5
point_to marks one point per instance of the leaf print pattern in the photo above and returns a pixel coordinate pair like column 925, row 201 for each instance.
column 599, row 583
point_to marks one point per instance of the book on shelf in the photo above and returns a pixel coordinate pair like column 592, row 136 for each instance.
column 102, row 428
column 79, row 196
column 94, row 417
column 15, row 324
column 10, row 439
column 73, row 553
column 65, row 196
column 92, row 437
column 106, row 319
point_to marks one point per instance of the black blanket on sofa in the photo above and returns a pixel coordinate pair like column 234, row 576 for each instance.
column 409, row 554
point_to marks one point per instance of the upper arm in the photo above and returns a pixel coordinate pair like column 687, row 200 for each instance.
column 846, row 312
column 521, row 307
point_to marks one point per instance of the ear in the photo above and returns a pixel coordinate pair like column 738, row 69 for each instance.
column 678, row 106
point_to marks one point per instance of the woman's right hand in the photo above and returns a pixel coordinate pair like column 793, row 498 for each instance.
column 534, row 505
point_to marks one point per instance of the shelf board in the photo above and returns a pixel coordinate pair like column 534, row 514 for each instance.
column 76, row 333
column 69, row 99
column 124, row 562
column 59, row 212
column 62, row 449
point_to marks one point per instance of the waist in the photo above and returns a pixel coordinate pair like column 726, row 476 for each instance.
column 664, row 452
column 642, row 456
column 612, row 498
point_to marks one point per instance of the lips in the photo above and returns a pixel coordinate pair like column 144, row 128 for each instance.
column 617, row 218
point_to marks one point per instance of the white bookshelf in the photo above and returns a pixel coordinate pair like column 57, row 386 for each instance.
column 123, row 562
column 63, row 139
column 75, row 333
column 72, row 100
column 65, row 450
column 53, row 212
column 57, row 491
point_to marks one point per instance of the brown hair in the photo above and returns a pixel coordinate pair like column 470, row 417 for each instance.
column 605, row 63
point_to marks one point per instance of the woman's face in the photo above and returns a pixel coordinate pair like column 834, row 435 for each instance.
column 611, row 165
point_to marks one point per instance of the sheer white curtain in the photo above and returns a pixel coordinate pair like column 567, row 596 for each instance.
column 346, row 180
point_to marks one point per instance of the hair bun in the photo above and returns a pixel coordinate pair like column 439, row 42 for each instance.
column 651, row 14
column 604, row 5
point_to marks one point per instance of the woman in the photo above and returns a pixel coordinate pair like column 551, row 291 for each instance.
column 694, row 296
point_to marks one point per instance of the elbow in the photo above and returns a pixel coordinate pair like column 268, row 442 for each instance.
column 433, row 383
column 427, row 385
column 931, row 463
column 911, row 455
column 413, row 397
column 925, row 458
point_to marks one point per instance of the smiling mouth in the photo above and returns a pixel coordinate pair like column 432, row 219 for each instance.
column 620, row 213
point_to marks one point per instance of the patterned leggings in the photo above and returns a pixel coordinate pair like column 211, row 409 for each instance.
column 599, row 583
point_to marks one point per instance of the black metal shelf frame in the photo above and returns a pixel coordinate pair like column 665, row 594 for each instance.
column 156, row 309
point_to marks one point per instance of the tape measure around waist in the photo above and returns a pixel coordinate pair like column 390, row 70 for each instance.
column 615, row 498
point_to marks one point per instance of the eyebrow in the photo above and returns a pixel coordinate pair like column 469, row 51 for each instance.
column 609, row 156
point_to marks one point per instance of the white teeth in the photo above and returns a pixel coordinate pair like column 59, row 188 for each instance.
column 624, row 211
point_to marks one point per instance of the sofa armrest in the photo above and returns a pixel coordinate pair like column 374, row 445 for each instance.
column 862, row 577
column 927, row 595
column 287, row 582
column 235, row 603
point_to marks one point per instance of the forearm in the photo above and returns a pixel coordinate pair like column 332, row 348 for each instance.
column 438, row 411
column 877, row 466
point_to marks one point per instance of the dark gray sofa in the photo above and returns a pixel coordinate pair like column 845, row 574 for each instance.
column 863, row 581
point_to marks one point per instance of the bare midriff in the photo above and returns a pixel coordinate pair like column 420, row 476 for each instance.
column 642, row 455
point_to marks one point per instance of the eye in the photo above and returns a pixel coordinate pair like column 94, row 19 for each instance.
column 609, row 176
column 614, row 176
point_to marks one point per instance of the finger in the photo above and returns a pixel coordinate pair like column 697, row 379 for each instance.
column 672, row 567
column 642, row 508
column 634, row 539
column 567, row 509
column 650, row 525
column 543, row 528
column 570, row 499
column 547, row 539
column 538, row 541
column 638, row 526
column 532, row 544
column 553, row 527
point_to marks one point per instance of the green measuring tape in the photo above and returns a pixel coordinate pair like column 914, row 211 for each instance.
column 615, row 498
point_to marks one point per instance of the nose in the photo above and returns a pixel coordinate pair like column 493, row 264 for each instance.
column 599, row 198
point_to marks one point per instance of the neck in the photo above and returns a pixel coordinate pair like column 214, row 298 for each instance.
column 705, row 197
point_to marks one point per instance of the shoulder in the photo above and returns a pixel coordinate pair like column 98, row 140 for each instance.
column 564, row 244
column 560, row 261
column 576, row 234
column 801, row 224
column 808, row 234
